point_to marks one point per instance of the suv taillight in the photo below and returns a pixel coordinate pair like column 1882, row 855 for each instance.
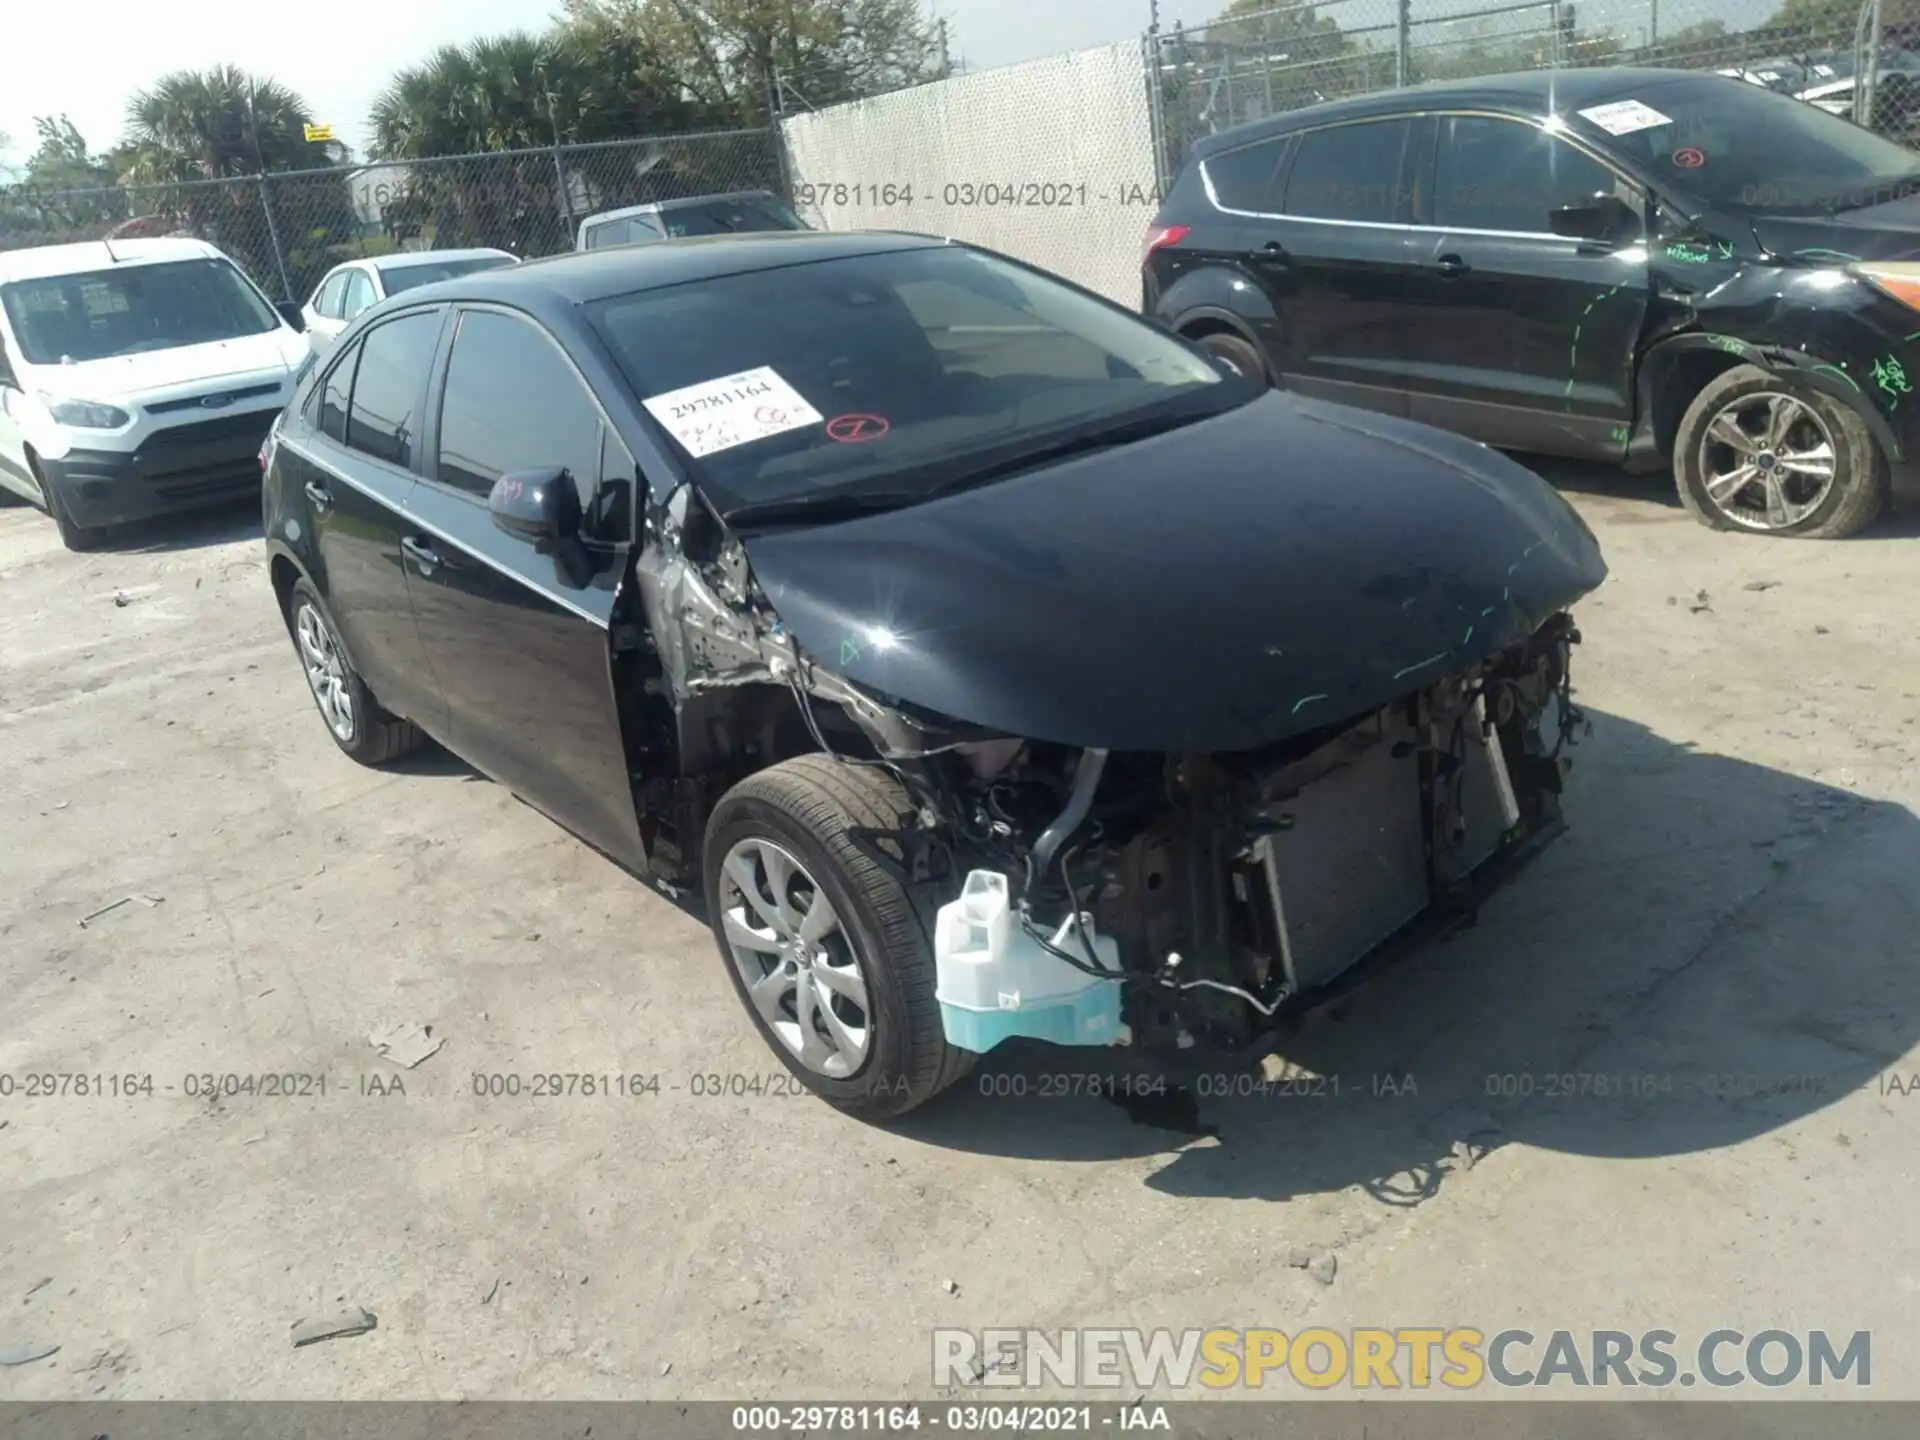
column 1161, row 236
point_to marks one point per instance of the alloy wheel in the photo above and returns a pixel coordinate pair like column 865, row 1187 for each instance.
column 1768, row 461
column 326, row 671
column 801, row 970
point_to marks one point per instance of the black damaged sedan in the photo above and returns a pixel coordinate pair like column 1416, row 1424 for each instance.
column 993, row 663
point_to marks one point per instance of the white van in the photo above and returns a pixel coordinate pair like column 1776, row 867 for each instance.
column 137, row 377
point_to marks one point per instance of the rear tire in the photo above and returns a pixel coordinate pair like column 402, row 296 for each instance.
column 359, row 726
column 1745, row 406
column 1239, row 355
column 786, row 833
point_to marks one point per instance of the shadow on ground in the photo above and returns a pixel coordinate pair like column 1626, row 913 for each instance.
column 1713, row 951
column 229, row 525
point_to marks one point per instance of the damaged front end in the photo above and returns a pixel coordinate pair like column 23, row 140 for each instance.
column 1088, row 895
column 1192, row 897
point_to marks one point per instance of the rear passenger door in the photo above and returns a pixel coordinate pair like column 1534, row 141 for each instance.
column 1331, row 250
column 518, row 640
column 356, row 485
column 1518, row 336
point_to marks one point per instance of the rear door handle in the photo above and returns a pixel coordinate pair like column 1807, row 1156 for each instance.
column 1452, row 265
column 421, row 554
column 318, row 495
column 1274, row 250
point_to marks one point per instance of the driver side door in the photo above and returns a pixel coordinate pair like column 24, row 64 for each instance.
column 518, row 640
column 1520, row 337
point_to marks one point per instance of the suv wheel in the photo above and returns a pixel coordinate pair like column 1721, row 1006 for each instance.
column 1761, row 453
column 823, row 944
column 1238, row 355
column 354, row 718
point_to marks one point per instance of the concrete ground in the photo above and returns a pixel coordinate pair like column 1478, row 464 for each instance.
column 1735, row 910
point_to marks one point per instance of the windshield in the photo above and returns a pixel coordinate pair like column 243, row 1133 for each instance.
column 407, row 277
column 896, row 373
column 731, row 217
column 132, row 310
column 1743, row 147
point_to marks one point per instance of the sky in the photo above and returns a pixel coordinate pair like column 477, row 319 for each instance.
column 339, row 56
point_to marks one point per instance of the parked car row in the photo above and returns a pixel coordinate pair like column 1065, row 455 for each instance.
column 139, row 377
column 984, row 654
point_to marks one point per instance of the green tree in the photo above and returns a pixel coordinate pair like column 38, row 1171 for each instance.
column 217, row 123
column 223, row 124
column 738, row 57
column 73, row 188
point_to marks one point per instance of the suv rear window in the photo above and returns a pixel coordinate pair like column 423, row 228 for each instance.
column 731, row 217
column 1349, row 172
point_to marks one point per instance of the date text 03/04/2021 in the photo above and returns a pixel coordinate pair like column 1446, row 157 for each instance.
column 967, row 194
column 960, row 1419
column 39, row 1085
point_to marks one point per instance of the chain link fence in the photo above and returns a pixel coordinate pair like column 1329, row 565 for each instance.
column 287, row 230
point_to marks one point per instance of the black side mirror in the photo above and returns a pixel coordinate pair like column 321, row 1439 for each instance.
column 1604, row 217
column 538, row 505
column 290, row 312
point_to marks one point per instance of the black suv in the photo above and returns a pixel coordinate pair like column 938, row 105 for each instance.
column 1647, row 266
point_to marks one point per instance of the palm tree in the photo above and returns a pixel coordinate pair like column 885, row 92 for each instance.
column 215, row 124
column 223, row 124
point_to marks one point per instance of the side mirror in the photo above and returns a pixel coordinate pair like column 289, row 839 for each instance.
column 538, row 505
column 1604, row 217
column 290, row 312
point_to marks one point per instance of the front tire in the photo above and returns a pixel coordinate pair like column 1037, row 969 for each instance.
column 1761, row 453
column 76, row 537
column 355, row 720
column 1239, row 355
column 822, row 942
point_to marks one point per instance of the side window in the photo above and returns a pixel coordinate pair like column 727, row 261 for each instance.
column 1246, row 179
column 359, row 294
column 391, row 378
column 327, row 303
column 1492, row 174
column 334, row 395
column 1349, row 172
column 512, row 402
column 611, row 233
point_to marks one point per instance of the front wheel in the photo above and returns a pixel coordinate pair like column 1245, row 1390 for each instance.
column 821, row 940
column 1238, row 355
column 74, row 536
column 1761, row 453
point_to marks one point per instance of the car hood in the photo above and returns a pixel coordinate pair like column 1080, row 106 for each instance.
column 1223, row 586
column 1889, row 231
column 158, row 374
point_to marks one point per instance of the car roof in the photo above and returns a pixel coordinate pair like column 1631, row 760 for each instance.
column 1536, row 92
column 402, row 259
column 42, row 261
column 564, row 281
column 685, row 202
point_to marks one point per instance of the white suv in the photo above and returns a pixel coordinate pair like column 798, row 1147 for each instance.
column 136, row 377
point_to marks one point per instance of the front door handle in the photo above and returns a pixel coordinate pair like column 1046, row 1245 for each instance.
column 421, row 554
column 318, row 495
column 1274, row 250
column 1451, row 265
